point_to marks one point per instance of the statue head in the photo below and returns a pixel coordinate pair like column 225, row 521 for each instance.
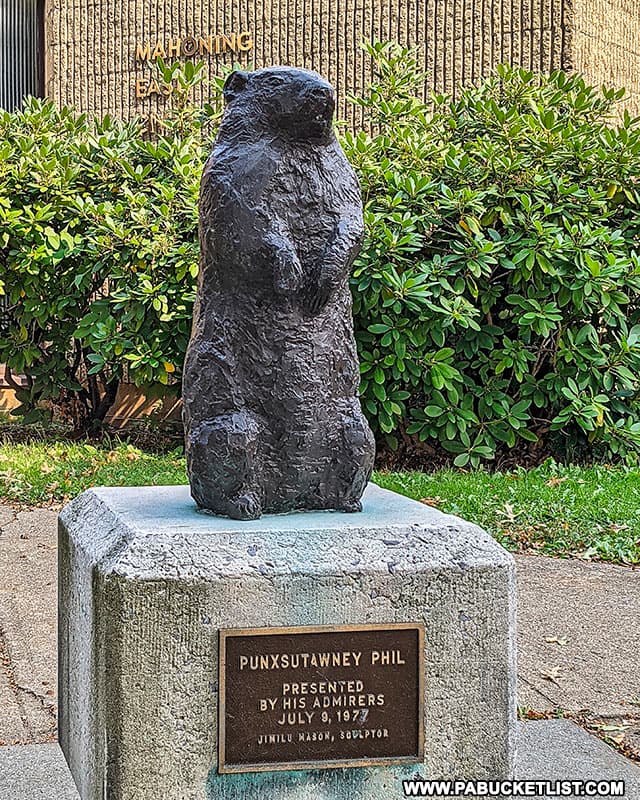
column 295, row 104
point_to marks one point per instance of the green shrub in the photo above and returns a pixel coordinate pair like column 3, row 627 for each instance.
column 98, row 251
column 496, row 298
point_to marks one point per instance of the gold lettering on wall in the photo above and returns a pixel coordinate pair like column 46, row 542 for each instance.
column 190, row 46
column 244, row 41
column 173, row 50
column 143, row 52
column 147, row 87
column 185, row 47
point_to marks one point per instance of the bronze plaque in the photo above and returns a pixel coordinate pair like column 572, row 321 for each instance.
column 305, row 698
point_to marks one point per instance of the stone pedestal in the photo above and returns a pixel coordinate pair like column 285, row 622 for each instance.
column 146, row 583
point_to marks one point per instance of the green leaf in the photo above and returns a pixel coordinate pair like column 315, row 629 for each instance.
column 379, row 392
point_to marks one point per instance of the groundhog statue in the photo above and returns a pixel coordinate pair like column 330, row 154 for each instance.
column 271, row 410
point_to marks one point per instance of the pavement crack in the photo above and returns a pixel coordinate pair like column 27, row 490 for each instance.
column 7, row 668
column 536, row 689
column 48, row 709
column 46, row 704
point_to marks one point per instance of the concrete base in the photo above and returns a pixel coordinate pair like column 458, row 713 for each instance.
column 548, row 750
column 146, row 582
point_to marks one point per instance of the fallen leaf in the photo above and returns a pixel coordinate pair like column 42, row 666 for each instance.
column 619, row 528
column 562, row 640
column 624, row 726
column 509, row 512
column 432, row 501
column 588, row 554
column 556, row 481
column 552, row 674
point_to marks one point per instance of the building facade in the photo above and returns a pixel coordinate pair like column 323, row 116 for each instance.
column 97, row 55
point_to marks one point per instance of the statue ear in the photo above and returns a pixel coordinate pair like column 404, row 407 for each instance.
column 235, row 83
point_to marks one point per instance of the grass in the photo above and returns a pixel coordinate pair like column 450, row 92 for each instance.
column 589, row 512
column 42, row 473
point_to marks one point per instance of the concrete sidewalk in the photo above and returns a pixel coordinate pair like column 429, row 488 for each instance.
column 28, row 625
column 578, row 637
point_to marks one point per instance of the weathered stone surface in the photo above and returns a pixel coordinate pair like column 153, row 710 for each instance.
column 146, row 582
column 270, row 388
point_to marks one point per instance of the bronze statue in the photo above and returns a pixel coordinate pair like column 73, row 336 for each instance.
column 272, row 416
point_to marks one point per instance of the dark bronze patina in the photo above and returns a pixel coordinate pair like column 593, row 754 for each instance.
column 272, row 416
column 314, row 698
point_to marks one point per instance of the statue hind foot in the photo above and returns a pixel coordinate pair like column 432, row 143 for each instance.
column 350, row 506
column 223, row 464
column 245, row 507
